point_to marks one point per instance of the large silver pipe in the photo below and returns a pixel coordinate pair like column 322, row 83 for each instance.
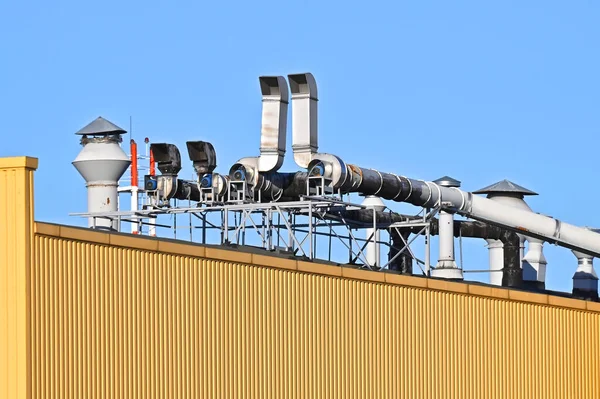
column 304, row 117
column 350, row 178
column 274, row 122
column 275, row 97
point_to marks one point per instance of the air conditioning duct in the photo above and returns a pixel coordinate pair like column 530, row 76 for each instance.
column 446, row 266
column 273, row 133
column 167, row 186
column 204, row 158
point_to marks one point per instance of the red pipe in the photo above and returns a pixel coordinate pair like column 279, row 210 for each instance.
column 134, row 165
column 152, row 164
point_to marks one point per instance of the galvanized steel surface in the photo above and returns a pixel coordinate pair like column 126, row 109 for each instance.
column 115, row 322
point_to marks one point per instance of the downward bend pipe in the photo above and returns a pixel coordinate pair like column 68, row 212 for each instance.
column 275, row 99
column 350, row 178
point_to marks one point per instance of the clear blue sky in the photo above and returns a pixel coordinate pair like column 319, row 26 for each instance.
column 477, row 90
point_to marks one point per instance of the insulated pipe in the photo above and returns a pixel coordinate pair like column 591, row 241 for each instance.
column 304, row 117
column 350, row 178
column 274, row 186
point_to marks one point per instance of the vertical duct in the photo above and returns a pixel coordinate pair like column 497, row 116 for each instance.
column 101, row 163
column 512, row 194
column 273, row 133
column 304, row 117
column 275, row 97
column 446, row 266
column 372, row 249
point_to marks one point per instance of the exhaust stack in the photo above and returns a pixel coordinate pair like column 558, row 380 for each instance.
column 101, row 163
column 304, row 117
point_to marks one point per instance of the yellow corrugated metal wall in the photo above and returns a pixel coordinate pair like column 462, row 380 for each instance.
column 124, row 323
column 92, row 315
column 16, row 233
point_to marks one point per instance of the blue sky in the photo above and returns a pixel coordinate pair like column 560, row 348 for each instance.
column 480, row 91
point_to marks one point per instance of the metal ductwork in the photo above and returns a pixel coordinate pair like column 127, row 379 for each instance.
column 273, row 133
column 101, row 163
column 167, row 186
column 204, row 158
column 534, row 263
column 446, row 266
column 304, row 117
column 167, row 158
column 350, row 178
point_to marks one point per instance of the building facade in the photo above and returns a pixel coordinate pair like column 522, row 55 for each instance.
column 88, row 314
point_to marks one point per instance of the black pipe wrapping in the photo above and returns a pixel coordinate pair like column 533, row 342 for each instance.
column 281, row 186
column 187, row 190
column 391, row 187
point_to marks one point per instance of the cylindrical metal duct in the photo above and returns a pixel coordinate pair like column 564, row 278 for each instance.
column 446, row 266
column 429, row 194
column 101, row 163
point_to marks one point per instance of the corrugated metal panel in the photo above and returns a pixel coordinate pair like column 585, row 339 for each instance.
column 122, row 323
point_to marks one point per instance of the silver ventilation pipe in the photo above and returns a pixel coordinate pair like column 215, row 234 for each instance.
column 101, row 163
column 275, row 99
column 305, row 133
column 273, row 132
column 350, row 178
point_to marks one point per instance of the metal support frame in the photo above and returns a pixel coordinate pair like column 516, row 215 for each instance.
column 299, row 225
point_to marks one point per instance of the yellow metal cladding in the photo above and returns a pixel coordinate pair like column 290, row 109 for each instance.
column 85, row 314
column 138, row 321
column 16, row 232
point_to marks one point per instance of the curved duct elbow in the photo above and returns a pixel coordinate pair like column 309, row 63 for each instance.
column 304, row 117
column 275, row 99
column 203, row 156
column 167, row 158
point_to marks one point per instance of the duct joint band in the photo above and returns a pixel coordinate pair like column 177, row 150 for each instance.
column 380, row 181
column 430, row 191
column 399, row 181
column 557, row 229
column 462, row 197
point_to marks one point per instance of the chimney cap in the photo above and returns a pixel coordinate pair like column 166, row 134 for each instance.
column 505, row 186
column 447, row 181
column 100, row 127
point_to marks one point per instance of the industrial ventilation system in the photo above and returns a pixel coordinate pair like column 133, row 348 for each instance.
column 297, row 208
